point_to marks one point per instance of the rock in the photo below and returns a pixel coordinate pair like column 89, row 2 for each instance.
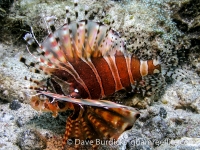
column 133, row 140
column 182, row 123
column 15, row 105
column 19, row 122
column 184, row 96
column 6, row 117
column 189, row 98
column 186, row 143
column 31, row 140
column 155, row 129
column 163, row 112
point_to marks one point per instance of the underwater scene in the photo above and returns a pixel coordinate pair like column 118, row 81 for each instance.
column 99, row 74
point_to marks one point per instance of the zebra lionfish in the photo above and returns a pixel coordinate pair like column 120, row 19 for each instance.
column 87, row 61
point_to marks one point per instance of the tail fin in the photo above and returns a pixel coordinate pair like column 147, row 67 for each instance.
column 88, row 126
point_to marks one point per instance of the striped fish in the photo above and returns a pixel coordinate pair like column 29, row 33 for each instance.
column 87, row 62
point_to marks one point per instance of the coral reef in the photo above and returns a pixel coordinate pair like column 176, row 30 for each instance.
column 187, row 18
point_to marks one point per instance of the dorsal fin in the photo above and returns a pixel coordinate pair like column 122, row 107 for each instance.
column 82, row 39
column 76, row 40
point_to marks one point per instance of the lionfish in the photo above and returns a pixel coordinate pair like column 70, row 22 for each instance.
column 86, row 62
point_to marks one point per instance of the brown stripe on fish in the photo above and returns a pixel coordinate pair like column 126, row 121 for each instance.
column 121, row 64
column 97, row 76
column 67, row 73
column 71, row 80
column 157, row 68
column 55, row 86
column 111, row 62
column 81, row 68
column 135, row 69
column 128, row 63
column 105, row 74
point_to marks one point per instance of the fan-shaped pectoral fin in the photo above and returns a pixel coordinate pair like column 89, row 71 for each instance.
column 89, row 126
column 92, row 121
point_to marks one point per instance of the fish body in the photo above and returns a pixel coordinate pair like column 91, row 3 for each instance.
column 87, row 62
